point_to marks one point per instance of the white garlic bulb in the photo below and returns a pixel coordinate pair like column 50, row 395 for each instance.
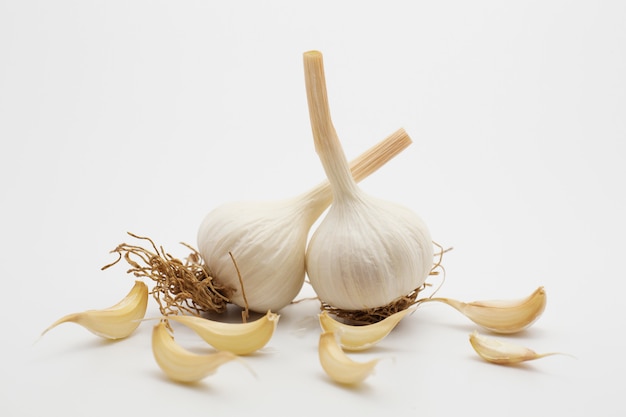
column 366, row 252
column 268, row 239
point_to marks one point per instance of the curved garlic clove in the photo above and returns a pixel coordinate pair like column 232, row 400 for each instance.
column 268, row 239
column 238, row 338
column 338, row 366
column 116, row 322
column 501, row 316
column 181, row 365
column 503, row 353
column 356, row 338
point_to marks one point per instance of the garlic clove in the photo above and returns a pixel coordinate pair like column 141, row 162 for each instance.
column 337, row 365
column 116, row 322
column 366, row 253
column 268, row 239
column 503, row 353
column 355, row 338
column 238, row 338
column 501, row 316
column 181, row 365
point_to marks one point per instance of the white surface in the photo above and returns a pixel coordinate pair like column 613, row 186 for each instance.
column 143, row 115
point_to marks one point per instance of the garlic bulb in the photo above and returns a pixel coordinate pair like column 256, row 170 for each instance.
column 366, row 253
column 268, row 239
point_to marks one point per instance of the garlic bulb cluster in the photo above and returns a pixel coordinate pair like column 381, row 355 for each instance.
column 268, row 240
column 366, row 253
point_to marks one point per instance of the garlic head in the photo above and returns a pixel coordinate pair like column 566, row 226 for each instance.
column 366, row 253
column 267, row 239
column 264, row 238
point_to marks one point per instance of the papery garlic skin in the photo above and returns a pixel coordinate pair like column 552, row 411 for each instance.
column 367, row 253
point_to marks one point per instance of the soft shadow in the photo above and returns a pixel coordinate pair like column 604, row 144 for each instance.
column 198, row 386
column 361, row 389
column 515, row 367
column 94, row 343
column 233, row 314
column 529, row 333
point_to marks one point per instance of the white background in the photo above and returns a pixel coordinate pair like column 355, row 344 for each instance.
column 142, row 116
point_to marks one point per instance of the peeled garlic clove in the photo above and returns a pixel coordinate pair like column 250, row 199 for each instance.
column 238, row 338
column 337, row 365
column 502, row 353
column 181, row 365
column 356, row 338
column 366, row 253
column 501, row 316
column 268, row 239
column 116, row 322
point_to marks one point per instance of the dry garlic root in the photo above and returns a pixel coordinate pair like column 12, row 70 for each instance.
column 181, row 365
column 180, row 286
column 356, row 338
column 238, row 338
column 503, row 353
column 116, row 322
column 337, row 365
column 501, row 316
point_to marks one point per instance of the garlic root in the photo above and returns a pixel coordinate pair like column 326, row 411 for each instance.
column 179, row 286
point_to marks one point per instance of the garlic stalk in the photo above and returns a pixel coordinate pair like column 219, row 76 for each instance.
column 267, row 239
column 366, row 253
